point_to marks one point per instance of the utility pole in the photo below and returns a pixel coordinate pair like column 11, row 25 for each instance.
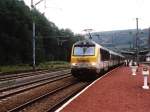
column 33, row 32
column 137, row 42
column 149, row 39
column 33, row 37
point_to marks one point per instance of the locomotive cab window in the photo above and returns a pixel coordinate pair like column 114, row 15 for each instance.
column 84, row 50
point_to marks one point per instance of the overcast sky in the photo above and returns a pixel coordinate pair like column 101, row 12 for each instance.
column 99, row 15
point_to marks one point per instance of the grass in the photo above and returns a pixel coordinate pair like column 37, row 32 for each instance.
column 52, row 65
column 13, row 68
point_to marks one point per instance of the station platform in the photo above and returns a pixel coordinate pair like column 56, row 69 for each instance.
column 116, row 91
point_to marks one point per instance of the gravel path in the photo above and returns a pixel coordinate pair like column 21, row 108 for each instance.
column 117, row 92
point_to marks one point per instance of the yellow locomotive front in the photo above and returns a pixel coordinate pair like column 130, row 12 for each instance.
column 84, row 59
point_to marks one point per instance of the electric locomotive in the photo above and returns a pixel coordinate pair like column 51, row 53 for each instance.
column 89, row 59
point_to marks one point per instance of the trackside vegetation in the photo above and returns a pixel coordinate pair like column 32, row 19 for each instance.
column 52, row 43
column 52, row 65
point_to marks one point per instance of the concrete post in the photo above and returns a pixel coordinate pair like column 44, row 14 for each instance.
column 145, row 73
column 134, row 68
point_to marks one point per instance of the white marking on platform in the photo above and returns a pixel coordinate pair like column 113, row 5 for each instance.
column 64, row 105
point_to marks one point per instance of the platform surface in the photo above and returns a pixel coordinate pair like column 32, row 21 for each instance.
column 118, row 91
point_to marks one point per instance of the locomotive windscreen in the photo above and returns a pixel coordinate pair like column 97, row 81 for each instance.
column 84, row 50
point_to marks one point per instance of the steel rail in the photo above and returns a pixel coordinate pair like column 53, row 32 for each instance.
column 18, row 108
column 28, row 74
column 63, row 100
column 28, row 87
column 30, row 82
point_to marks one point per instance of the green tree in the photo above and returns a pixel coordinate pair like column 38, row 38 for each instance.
column 16, row 35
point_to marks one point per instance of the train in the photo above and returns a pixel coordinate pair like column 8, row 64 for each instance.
column 89, row 59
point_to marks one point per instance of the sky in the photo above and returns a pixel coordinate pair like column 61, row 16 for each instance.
column 99, row 15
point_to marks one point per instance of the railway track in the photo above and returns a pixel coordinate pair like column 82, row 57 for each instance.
column 28, row 91
column 20, row 75
column 13, row 99
column 7, row 92
column 49, row 101
column 72, row 90
column 28, row 74
column 13, row 83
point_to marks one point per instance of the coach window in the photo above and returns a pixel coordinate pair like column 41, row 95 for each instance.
column 113, row 57
column 104, row 55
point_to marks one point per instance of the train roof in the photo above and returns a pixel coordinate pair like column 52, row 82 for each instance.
column 93, row 43
column 84, row 42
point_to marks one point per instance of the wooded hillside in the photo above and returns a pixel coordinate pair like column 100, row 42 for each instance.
column 16, row 19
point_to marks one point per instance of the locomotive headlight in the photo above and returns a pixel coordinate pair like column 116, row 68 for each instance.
column 93, row 63
column 73, row 64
